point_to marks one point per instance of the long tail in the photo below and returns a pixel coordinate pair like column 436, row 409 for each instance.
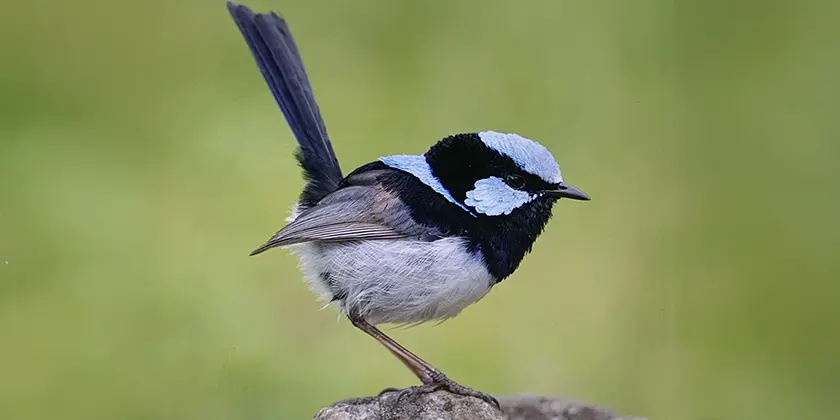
column 271, row 43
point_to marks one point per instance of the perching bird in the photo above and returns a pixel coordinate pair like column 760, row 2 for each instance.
column 407, row 238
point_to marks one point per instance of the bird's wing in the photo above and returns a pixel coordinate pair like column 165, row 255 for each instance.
column 362, row 210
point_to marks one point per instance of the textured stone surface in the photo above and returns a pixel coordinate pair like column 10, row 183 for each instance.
column 442, row 405
column 536, row 407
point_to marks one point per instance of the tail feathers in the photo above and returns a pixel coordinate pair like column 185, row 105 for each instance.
column 271, row 43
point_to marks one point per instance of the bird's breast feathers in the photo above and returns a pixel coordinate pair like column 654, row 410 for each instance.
column 400, row 281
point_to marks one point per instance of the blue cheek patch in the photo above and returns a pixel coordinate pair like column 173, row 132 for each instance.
column 493, row 197
column 417, row 166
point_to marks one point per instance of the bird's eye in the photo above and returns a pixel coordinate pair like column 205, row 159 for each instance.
column 515, row 181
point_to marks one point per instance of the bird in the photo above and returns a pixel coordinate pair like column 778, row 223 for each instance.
column 408, row 238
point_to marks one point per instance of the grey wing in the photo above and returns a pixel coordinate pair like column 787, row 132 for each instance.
column 357, row 212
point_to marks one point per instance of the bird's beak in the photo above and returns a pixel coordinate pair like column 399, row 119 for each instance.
column 567, row 191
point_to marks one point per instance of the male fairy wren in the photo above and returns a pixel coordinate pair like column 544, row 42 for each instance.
column 407, row 238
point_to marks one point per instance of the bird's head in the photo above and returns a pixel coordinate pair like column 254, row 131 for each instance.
column 494, row 174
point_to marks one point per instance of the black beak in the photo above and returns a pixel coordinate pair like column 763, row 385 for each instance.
column 567, row 191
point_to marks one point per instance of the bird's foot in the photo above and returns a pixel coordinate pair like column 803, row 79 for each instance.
column 455, row 388
column 448, row 385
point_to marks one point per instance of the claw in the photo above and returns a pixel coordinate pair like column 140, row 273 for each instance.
column 453, row 387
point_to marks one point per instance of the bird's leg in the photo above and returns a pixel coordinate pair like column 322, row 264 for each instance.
column 432, row 378
column 421, row 368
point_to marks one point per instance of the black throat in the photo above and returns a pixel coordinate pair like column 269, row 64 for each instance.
column 504, row 240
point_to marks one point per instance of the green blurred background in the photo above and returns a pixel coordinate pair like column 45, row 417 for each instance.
column 142, row 158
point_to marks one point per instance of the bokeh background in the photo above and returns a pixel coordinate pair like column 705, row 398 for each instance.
column 142, row 158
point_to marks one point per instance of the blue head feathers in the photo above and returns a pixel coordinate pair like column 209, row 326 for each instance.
column 529, row 155
column 485, row 173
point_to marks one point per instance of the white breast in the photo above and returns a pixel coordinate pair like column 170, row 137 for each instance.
column 401, row 281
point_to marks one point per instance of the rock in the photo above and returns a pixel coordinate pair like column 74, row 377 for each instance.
column 441, row 405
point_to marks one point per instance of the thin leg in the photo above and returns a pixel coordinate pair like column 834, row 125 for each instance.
column 422, row 369
column 432, row 378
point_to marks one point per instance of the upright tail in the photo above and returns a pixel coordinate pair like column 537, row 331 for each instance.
column 271, row 43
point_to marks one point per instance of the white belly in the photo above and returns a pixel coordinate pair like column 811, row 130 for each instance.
column 399, row 281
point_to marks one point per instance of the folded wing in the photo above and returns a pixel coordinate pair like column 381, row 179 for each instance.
column 355, row 212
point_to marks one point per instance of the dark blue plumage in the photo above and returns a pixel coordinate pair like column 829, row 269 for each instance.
column 271, row 43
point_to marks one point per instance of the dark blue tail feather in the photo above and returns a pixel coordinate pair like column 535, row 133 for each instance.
column 271, row 43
